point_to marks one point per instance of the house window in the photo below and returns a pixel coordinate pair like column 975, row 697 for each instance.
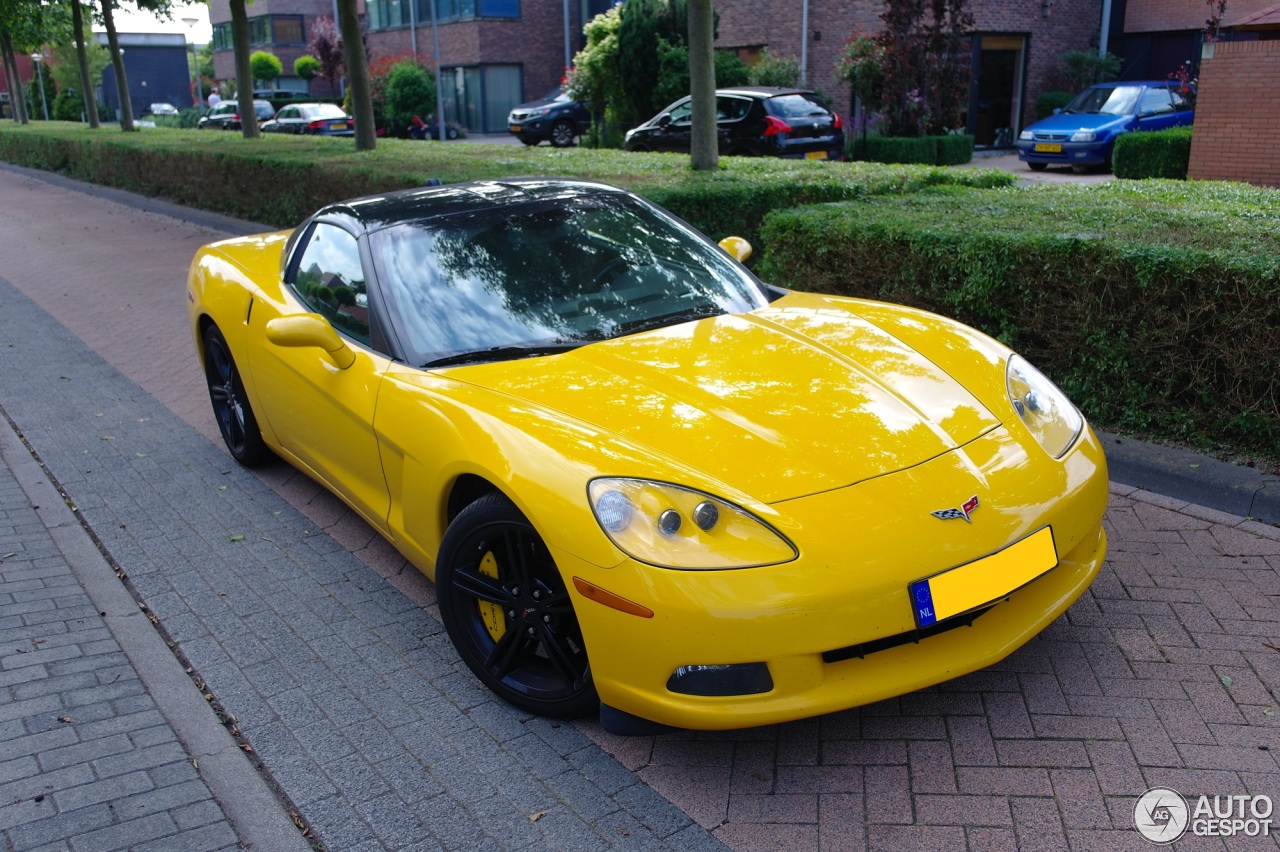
column 465, row 10
column 288, row 29
column 258, row 30
column 222, row 37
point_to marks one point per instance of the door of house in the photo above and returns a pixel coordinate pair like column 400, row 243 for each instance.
column 995, row 89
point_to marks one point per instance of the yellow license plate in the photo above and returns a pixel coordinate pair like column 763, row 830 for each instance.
column 816, row 155
column 970, row 586
column 515, row 128
column 338, row 125
column 1048, row 148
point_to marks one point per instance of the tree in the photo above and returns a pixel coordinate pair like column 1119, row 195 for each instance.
column 356, row 61
column 244, row 71
column 770, row 70
column 326, row 47
column 1083, row 68
column 307, row 67
column 674, row 71
column 704, row 142
column 926, row 65
column 595, row 78
column 21, row 29
column 265, row 67
column 86, row 59
column 643, row 26
column 411, row 90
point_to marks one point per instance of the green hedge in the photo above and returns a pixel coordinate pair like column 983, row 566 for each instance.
column 1158, row 154
column 1047, row 102
column 281, row 179
column 1156, row 305
column 949, row 150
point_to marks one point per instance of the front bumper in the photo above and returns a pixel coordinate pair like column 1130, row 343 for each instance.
column 821, row 623
column 1070, row 153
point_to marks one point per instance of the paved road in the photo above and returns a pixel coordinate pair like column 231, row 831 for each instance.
column 323, row 644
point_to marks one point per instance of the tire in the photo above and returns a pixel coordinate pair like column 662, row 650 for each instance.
column 508, row 612
column 1037, row 167
column 231, row 407
column 562, row 133
column 451, row 133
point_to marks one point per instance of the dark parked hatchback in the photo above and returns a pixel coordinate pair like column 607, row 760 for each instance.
column 557, row 119
column 226, row 115
column 754, row 121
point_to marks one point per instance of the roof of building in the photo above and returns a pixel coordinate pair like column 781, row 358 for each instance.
column 1267, row 19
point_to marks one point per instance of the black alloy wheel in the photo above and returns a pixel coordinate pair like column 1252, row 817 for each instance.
column 509, row 614
column 231, row 408
column 562, row 133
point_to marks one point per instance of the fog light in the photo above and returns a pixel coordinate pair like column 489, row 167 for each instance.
column 722, row 680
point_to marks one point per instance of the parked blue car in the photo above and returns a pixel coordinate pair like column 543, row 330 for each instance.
column 1082, row 133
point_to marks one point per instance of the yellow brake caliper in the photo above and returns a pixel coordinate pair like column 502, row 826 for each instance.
column 490, row 613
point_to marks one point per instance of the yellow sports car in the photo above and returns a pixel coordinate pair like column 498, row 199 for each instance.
column 641, row 479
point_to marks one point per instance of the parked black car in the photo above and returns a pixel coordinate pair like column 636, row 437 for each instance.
column 557, row 118
column 226, row 115
column 311, row 120
column 754, row 121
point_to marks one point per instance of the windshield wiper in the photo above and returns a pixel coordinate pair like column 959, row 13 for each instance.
column 503, row 353
column 672, row 319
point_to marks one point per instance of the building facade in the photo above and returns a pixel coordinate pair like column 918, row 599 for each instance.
column 1014, row 47
column 279, row 27
column 158, row 70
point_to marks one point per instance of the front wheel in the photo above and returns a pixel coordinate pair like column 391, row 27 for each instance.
column 509, row 614
column 231, row 408
column 562, row 133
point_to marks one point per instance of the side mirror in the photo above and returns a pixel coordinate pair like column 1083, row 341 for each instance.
column 310, row 330
column 663, row 120
column 737, row 248
column 1057, row 110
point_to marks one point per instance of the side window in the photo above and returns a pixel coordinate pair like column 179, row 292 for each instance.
column 681, row 114
column 1181, row 101
column 330, row 281
column 731, row 109
column 1155, row 102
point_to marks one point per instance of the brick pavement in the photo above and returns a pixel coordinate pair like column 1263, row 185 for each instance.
column 89, row 760
column 1165, row 674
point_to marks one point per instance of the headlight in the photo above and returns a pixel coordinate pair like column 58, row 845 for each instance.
column 1045, row 410
column 1084, row 136
column 674, row 527
column 1026, row 136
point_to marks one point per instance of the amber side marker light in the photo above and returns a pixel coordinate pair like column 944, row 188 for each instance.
column 609, row 599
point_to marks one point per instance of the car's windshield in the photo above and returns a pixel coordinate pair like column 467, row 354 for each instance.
column 550, row 274
column 1111, row 100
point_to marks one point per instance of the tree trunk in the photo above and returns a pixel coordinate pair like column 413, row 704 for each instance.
column 358, row 76
column 702, row 84
column 17, row 97
column 244, row 77
column 86, row 86
column 117, row 61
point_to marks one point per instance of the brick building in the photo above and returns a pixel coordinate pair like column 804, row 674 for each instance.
column 280, row 27
column 1160, row 35
column 1014, row 46
column 1237, row 113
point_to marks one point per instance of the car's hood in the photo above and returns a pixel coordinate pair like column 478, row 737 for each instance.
column 1069, row 122
column 779, row 403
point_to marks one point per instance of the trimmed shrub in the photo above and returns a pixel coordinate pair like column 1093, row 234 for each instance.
column 949, row 150
column 1049, row 101
column 1158, row 154
column 1154, row 305
column 954, row 149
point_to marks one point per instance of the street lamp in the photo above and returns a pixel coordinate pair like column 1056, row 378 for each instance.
column 44, row 102
column 196, row 98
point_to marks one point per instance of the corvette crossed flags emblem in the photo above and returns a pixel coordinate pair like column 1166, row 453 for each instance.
column 964, row 511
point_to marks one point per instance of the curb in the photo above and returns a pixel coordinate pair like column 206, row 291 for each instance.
column 1194, row 478
column 257, row 815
